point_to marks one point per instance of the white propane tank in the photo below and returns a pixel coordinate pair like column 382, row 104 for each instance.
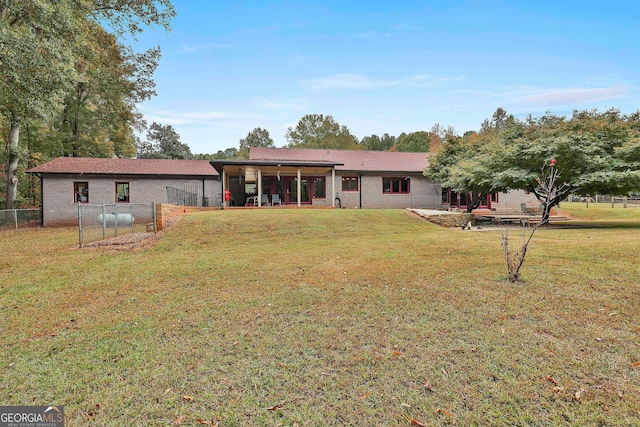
column 110, row 220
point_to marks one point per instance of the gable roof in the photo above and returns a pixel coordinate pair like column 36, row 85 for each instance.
column 348, row 160
column 96, row 166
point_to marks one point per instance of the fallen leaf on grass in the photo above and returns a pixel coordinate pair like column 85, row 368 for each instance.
column 447, row 413
column 179, row 420
column 364, row 396
column 169, row 390
column 188, row 398
column 414, row 422
column 446, row 374
column 557, row 389
column 636, row 364
column 551, row 380
column 405, row 405
column 277, row 406
column 428, row 386
column 207, row 423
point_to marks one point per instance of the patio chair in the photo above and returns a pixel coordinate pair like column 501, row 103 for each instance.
column 264, row 200
column 275, row 198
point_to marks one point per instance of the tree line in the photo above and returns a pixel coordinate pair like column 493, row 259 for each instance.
column 323, row 131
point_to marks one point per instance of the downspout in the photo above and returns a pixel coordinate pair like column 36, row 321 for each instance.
column 203, row 196
column 41, row 200
column 360, row 189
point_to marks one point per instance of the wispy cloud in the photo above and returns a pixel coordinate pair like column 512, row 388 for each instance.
column 361, row 81
column 569, row 96
column 195, row 117
column 207, row 46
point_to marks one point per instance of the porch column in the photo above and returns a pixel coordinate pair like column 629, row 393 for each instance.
column 224, row 187
column 259, row 187
column 333, row 187
column 299, row 187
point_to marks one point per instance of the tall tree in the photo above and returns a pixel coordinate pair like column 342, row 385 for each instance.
column 163, row 142
column 258, row 137
column 319, row 131
column 37, row 53
column 42, row 47
column 415, row 142
column 100, row 114
column 377, row 143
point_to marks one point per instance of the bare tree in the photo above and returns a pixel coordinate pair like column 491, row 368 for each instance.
column 546, row 191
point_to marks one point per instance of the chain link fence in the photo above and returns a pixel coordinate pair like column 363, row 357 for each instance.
column 98, row 222
column 14, row 219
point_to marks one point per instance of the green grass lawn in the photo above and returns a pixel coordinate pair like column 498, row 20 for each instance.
column 323, row 317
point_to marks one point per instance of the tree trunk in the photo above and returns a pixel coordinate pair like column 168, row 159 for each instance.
column 12, row 164
column 475, row 201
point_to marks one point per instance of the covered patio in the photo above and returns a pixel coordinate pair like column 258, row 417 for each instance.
column 273, row 182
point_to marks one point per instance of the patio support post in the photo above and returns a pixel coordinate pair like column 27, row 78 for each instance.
column 333, row 187
column 224, row 187
column 299, row 187
column 259, row 187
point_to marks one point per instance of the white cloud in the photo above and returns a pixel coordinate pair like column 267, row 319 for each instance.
column 194, row 117
column 361, row 81
column 570, row 96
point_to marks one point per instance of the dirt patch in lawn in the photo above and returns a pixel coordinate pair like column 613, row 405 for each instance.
column 131, row 241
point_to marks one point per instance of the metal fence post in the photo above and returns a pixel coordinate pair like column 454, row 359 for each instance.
column 155, row 227
column 15, row 218
column 80, row 224
column 104, row 222
column 116, row 221
column 133, row 218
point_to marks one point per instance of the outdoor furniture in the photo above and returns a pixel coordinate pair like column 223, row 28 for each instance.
column 264, row 200
column 530, row 210
column 275, row 198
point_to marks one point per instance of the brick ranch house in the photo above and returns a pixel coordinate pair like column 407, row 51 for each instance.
column 67, row 181
column 270, row 177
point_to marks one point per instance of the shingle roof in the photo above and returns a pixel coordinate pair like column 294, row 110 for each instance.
column 82, row 165
column 353, row 160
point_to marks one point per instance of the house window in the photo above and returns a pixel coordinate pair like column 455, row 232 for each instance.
column 122, row 192
column 319, row 187
column 396, row 185
column 494, row 198
column 349, row 183
column 81, row 192
column 445, row 195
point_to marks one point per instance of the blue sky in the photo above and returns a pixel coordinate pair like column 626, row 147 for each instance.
column 386, row 67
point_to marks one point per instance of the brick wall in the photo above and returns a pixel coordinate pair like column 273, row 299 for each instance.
column 166, row 212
